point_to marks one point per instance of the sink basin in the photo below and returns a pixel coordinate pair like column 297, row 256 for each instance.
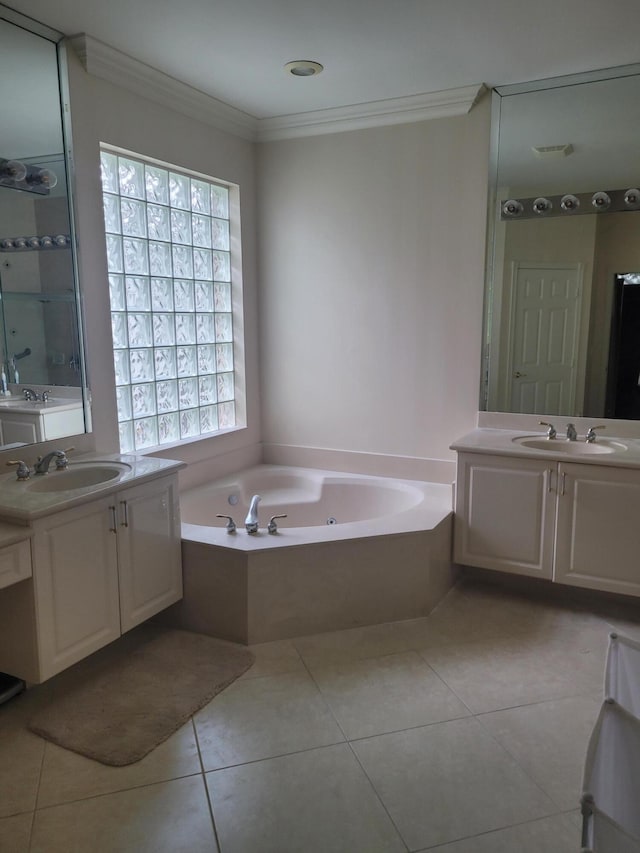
column 570, row 448
column 77, row 476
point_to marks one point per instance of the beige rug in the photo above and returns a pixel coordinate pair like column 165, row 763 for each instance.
column 128, row 706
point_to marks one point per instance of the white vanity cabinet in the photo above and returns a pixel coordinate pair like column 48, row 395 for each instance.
column 597, row 528
column 99, row 569
column 569, row 522
column 505, row 514
column 28, row 427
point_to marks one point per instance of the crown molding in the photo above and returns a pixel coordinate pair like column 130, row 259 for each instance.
column 412, row 108
column 109, row 64
column 101, row 60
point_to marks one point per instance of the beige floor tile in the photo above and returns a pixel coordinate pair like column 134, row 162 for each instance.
column 557, row 834
column 264, row 717
column 274, row 658
column 449, row 781
column 353, row 644
column 510, row 671
column 549, row 740
column 15, row 833
column 67, row 776
column 169, row 817
column 477, row 613
column 20, row 759
column 316, row 801
column 386, row 694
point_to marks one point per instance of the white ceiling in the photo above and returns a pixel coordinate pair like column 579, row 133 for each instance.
column 234, row 50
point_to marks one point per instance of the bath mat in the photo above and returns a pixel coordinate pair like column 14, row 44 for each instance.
column 128, row 706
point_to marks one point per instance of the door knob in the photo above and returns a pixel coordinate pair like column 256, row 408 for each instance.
column 518, row 375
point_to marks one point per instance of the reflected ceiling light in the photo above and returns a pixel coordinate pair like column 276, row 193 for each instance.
column 552, row 152
column 303, row 68
column 26, row 177
column 570, row 203
column 601, row 201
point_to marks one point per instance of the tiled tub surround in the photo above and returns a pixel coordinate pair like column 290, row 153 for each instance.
column 461, row 732
column 387, row 557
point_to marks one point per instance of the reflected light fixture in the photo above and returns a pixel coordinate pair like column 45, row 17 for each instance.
column 303, row 68
column 26, row 177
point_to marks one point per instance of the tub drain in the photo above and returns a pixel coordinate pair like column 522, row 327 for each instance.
column 332, row 520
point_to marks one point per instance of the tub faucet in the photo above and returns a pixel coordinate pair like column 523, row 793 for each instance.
column 251, row 521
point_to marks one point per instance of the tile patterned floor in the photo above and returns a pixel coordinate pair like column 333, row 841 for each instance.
column 463, row 732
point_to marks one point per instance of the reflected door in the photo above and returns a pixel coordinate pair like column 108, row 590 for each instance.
column 544, row 347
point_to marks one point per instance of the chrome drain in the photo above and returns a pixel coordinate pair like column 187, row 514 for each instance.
column 332, row 520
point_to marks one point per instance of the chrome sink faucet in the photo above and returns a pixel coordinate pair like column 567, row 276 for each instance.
column 42, row 465
column 30, row 394
column 572, row 435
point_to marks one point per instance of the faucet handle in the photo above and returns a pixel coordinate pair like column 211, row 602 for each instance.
column 231, row 525
column 551, row 432
column 591, row 433
column 23, row 472
column 45, row 395
column 272, row 527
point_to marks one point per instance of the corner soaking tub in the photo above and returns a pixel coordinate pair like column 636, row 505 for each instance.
column 353, row 550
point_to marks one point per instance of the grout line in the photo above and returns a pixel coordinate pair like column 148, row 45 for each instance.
column 355, row 755
column 203, row 774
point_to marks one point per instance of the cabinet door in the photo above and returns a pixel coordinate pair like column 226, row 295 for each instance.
column 76, row 584
column 598, row 534
column 20, row 429
column 505, row 514
column 150, row 565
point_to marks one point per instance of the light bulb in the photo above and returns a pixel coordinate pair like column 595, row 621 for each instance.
column 43, row 177
column 632, row 198
column 570, row 203
column 600, row 201
column 512, row 207
column 13, row 169
column 542, row 205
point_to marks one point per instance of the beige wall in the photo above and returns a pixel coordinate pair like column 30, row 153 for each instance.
column 372, row 267
column 102, row 112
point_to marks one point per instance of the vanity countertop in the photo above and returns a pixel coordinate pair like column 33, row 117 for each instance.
column 610, row 451
column 25, row 500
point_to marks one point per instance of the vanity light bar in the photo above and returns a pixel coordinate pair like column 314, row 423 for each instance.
column 539, row 207
column 25, row 244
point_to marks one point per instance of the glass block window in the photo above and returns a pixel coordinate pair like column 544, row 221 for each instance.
column 169, row 263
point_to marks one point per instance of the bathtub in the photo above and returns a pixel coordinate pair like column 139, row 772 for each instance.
column 353, row 550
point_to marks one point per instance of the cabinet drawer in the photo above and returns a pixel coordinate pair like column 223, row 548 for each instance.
column 15, row 563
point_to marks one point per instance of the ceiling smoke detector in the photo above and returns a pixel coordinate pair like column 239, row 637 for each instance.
column 552, row 152
column 303, row 68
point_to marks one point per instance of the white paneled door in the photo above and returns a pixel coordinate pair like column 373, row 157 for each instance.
column 546, row 311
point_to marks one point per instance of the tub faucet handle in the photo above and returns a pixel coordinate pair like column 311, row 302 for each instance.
column 231, row 525
column 272, row 527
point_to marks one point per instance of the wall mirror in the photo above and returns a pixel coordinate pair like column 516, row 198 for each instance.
column 40, row 333
column 562, row 302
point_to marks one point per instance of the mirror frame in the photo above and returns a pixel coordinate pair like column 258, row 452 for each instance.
column 59, row 41
column 490, row 351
